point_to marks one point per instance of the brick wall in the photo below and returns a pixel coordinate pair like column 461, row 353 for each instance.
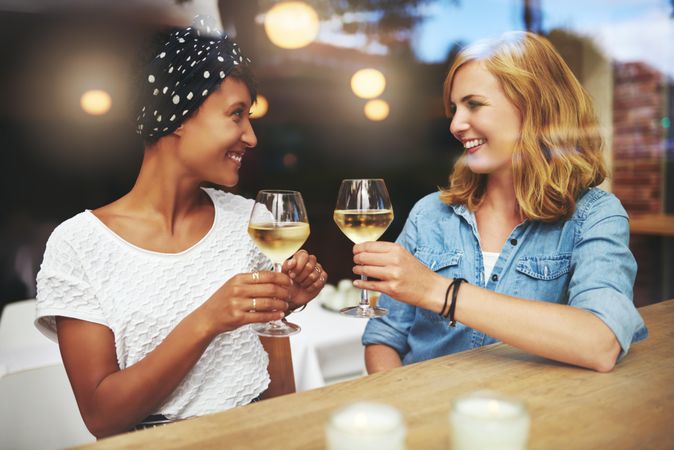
column 638, row 156
column 638, row 146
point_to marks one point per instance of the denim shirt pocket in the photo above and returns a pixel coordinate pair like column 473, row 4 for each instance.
column 545, row 278
column 447, row 261
column 445, row 264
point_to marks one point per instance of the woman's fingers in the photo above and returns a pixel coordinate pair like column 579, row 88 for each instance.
column 294, row 264
column 316, row 280
column 381, row 273
column 266, row 290
column 375, row 247
column 379, row 286
column 376, row 259
column 265, row 277
column 289, row 264
column 302, row 259
column 310, row 273
column 262, row 304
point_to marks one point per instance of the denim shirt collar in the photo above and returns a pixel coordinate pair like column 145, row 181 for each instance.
column 467, row 215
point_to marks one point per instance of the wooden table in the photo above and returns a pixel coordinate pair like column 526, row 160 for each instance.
column 571, row 408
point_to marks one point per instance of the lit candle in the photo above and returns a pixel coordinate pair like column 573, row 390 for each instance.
column 366, row 426
column 488, row 420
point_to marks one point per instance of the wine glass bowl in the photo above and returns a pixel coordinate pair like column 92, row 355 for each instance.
column 279, row 227
column 363, row 213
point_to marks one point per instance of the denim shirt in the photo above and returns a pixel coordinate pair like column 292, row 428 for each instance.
column 584, row 262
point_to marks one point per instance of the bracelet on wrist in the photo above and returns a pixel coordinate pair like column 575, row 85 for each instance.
column 442, row 312
column 456, row 284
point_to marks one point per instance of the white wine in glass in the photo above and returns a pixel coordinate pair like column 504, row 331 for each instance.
column 363, row 226
column 279, row 241
column 279, row 227
column 363, row 212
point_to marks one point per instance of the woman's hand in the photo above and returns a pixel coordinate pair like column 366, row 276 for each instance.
column 247, row 298
column 308, row 278
column 401, row 275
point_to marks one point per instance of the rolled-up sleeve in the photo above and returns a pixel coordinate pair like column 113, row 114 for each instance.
column 393, row 329
column 604, row 270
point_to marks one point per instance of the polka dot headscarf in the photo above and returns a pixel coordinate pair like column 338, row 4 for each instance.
column 189, row 66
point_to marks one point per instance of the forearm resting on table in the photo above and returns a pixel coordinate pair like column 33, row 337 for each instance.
column 380, row 357
column 112, row 401
column 560, row 332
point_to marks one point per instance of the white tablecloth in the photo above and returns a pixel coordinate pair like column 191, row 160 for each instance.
column 327, row 348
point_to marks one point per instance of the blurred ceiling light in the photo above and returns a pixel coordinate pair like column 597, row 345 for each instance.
column 376, row 110
column 368, row 83
column 259, row 108
column 290, row 160
column 291, row 24
column 96, row 102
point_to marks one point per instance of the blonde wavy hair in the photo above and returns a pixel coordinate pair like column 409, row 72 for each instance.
column 559, row 152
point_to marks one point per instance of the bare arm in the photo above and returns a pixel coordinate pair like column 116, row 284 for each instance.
column 112, row 400
column 379, row 357
column 558, row 332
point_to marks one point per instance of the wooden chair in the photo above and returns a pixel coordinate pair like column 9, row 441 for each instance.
column 280, row 367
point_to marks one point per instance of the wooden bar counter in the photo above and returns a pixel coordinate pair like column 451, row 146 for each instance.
column 652, row 224
column 631, row 407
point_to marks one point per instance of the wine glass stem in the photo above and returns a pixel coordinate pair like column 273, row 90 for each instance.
column 364, row 300
column 278, row 267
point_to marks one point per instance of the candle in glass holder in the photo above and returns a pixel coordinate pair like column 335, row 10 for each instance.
column 366, row 426
column 482, row 420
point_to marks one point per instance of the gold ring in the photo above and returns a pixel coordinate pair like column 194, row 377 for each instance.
column 254, row 303
column 317, row 269
column 256, row 276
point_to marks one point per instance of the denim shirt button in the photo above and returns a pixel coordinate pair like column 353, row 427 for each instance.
column 513, row 241
column 494, row 277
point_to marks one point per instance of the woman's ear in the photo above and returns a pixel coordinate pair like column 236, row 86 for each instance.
column 179, row 131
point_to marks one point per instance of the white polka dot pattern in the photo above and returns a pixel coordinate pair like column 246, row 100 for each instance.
column 189, row 60
column 92, row 274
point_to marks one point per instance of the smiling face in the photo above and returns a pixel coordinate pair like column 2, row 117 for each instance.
column 483, row 119
column 214, row 140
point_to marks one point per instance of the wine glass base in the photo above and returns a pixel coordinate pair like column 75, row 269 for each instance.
column 363, row 313
column 272, row 329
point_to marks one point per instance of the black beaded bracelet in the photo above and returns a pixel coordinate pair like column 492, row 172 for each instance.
column 444, row 306
column 456, row 284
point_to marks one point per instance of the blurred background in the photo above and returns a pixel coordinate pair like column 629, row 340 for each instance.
column 67, row 142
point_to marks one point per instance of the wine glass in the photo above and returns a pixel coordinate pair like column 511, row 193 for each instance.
column 363, row 212
column 278, row 225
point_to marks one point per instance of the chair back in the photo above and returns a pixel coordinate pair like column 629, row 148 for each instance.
column 280, row 366
column 38, row 411
column 37, row 405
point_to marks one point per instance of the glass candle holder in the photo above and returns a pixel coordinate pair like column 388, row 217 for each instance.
column 488, row 420
column 366, row 426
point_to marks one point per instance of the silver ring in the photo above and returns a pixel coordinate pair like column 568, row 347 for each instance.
column 254, row 303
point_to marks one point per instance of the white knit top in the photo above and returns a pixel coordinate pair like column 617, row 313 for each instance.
column 91, row 273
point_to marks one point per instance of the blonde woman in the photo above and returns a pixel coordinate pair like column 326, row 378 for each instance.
column 522, row 247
